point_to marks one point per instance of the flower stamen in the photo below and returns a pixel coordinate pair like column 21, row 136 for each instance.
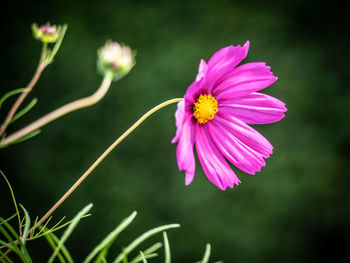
column 205, row 108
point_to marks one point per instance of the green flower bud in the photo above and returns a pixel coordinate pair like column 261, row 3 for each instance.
column 46, row 33
column 115, row 58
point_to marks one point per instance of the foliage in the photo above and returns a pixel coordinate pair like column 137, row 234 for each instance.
column 16, row 242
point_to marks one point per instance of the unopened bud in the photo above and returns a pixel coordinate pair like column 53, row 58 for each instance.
column 115, row 58
column 46, row 33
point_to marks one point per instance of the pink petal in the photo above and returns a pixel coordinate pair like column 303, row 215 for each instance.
column 193, row 91
column 255, row 108
column 179, row 118
column 213, row 163
column 224, row 61
column 202, row 70
column 243, row 80
column 184, row 150
column 234, row 150
column 245, row 133
column 196, row 88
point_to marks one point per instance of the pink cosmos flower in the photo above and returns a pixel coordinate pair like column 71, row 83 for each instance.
column 215, row 113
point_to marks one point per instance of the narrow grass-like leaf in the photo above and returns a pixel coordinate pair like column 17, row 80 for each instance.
column 10, row 228
column 7, row 245
column 3, row 256
column 4, row 227
column 166, row 248
column 153, row 248
column 13, row 197
column 25, row 137
column 57, row 227
column 32, row 232
column 63, row 249
column 206, row 256
column 58, row 224
column 26, row 226
column 11, row 93
column 148, row 256
column 69, row 230
column 11, row 242
column 22, row 252
column 24, row 110
column 146, row 252
column 101, row 257
column 125, row 256
column 143, row 237
column 52, row 53
column 110, row 237
column 143, row 257
column 53, row 246
column 8, row 219
column 22, row 222
column 42, row 228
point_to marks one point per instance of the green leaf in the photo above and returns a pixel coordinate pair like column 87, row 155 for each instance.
column 32, row 232
column 153, row 248
column 11, row 93
column 25, row 137
column 3, row 256
column 110, row 237
column 8, row 219
column 147, row 252
column 24, row 110
column 148, row 256
column 52, row 53
column 13, row 197
column 12, row 244
column 53, row 245
column 143, row 257
column 125, row 258
column 166, row 248
column 101, row 257
column 142, row 238
column 56, row 227
column 69, row 231
column 53, row 241
column 206, row 256
column 26, row 226
column 42, row 229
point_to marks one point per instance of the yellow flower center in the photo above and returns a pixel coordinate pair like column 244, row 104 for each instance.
column 205, row 108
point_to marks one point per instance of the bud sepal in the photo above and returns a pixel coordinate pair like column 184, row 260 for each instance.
column 46, row 33
column 115, row 58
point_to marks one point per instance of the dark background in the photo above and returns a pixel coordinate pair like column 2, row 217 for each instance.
column 295, row 210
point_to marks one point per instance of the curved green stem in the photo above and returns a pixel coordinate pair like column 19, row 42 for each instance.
column 41, row 66
column 65, row 109
column 100, row 159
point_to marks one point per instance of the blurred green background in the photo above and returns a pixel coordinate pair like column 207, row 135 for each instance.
column 295, row 210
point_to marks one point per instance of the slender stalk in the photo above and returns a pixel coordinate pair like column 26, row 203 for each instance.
column 41, row 66
column 100, row 159
column 65, row 109
column 97, row 162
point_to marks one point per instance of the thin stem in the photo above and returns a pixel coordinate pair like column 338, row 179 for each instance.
column 100, row 159
column 13, row 199
column 97, row 162
column 41, row 66
column 65, row 109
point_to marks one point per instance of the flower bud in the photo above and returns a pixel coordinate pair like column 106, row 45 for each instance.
column 46, row 33
column 115, row 58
